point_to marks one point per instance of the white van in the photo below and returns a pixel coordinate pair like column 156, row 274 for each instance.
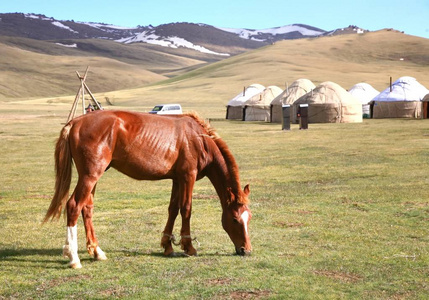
column 167, row 109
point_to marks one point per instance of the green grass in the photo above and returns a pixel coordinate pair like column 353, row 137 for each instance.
column 339, row 211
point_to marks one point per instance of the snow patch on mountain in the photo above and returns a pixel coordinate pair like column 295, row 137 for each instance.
column 67, row 45
column 255, row 34
column 170, row 41
column 101, row 26
column 40, row 17
column 61, row 25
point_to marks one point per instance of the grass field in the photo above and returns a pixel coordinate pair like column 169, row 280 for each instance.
column 340, row 211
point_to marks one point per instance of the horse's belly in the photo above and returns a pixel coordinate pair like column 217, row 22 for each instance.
column 149, row 169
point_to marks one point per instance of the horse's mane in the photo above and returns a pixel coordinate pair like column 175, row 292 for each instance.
column 230, row 162
column 211, row 132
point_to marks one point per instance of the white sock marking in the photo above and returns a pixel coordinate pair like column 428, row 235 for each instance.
column 70, row 248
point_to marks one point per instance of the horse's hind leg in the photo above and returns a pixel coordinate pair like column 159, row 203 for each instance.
column 70, row 248
column 80, row 198
column 91, row 239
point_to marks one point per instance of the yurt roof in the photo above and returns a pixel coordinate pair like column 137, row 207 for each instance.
column 404, row 89
column 297, row 89
column 364, row 92
column 249, row 92
column 327, row 92
column 265, row 97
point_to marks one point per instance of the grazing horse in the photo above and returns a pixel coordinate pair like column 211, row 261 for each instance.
column 146, row 147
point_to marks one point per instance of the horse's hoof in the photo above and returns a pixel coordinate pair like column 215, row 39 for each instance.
column 191, row 253
column 170, row 254
column 99, row 254
column 77, row 265
column 100, row 257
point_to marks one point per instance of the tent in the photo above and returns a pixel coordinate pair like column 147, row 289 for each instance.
column 297, row 89
column 425, row 107
column 364, row 92
column 234, row 108
column 402, row 100
column 329, row 103
column 257, row 108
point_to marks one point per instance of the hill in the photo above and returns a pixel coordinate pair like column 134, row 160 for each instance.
column 345, row 59
column 32, row 68
column 41, row 54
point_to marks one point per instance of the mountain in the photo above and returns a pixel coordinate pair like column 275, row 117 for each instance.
column 40, row 27
column 200, row 37
column 203, row 38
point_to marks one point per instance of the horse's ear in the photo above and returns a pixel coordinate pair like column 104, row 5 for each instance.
column 246, row 190
column 231, row 194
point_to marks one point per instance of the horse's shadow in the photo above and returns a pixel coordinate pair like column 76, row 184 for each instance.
column 10, row 253
column 33, row 255
column 174, row 255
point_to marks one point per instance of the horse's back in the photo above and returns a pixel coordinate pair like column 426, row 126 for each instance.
column 141, row 145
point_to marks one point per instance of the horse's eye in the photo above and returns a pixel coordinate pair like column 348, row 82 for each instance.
column 236, row 220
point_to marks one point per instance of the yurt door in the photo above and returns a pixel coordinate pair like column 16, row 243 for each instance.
column 425, row 109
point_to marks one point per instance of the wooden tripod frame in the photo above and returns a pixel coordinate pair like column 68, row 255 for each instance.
column 81, row 95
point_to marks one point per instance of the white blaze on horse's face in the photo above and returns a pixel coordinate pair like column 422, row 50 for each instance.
column 245, row 219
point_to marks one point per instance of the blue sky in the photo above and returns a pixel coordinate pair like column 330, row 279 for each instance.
column 410, row 16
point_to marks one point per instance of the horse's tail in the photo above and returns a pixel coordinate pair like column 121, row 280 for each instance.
column 63, row 170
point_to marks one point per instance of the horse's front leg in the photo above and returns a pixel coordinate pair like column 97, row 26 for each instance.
column 173, row 211
column 185, row 201
column 91, row 240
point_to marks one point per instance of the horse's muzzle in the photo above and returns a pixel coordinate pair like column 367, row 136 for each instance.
column 243, row 252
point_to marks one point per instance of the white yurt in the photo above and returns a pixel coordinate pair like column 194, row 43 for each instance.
column 297, row 89
column 257, row 108
column 329, row 103
column 234, row 108
column 402, row 100
column 364, row 92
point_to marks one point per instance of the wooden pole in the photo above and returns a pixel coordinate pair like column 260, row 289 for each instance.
column 73, row 109
column 92, row 96
column 82, row 88
column 83, row 96
column 76, row 99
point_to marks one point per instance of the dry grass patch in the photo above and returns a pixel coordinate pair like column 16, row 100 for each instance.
column 337, row 275
column 249, row 294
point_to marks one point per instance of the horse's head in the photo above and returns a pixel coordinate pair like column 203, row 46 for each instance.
column 235, row 220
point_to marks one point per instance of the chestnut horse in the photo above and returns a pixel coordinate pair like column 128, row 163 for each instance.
column 146, row 147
